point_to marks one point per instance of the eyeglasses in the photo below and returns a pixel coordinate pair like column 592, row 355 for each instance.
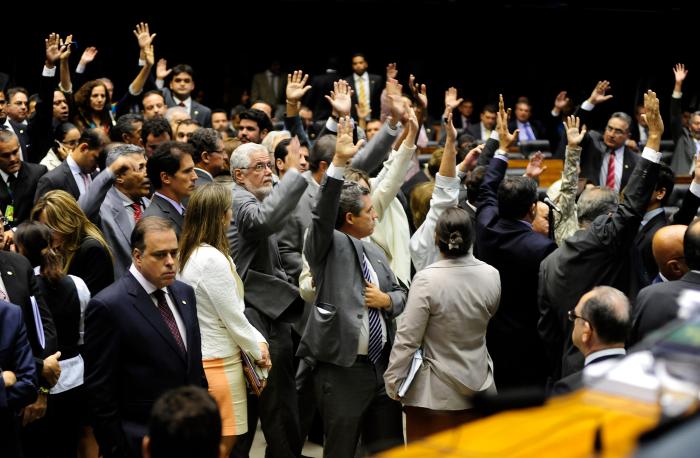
column 259, row 167
column 571, row 314
column 614, row 130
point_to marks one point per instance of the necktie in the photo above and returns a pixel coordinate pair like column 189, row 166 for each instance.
column 610, row 181
column 86, row 180
column 169, row 318
column 137, row 211
column 374, row 348
column 362, row 96
column 528, row 132
column 182, row 104
column 11, row 180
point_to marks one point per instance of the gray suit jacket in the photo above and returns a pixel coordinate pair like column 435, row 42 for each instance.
column 253, row 242
column 449, row 321
column 164, row 209
column 335, row 259
column 290, row 239
column 684, row 153
column 202, row 177
column 198, row 112
column 261, row 89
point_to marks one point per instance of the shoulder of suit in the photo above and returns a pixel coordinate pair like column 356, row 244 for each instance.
column 14, row 259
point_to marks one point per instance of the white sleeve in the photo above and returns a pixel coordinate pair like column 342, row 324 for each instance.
column 84, row 298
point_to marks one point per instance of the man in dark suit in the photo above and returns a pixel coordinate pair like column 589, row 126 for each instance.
column 322, row 85
column 481, row 131
column 599, row 254
column 351, row 328
column 600, row 323
column 75, row 174
column 19, row 180
column 685, row 138
column 18, row 380
column 179, row 93
column 529, row 129
column 606, row 160
column 17, row 110
column 171, row 172
column 657, row 304
column 141, row 339
column 208, row 155
column 367, row 88
column 268, row 86
column 506, row 208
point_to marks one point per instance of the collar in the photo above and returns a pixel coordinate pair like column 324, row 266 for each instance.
column 202, row 170
column 6, row 175
column 178, row 206
column 528, row 224
column 523, row 124
column 187, row 101
column 601, row 353
column 649, row 215
column 74, row 167
column 126, row 200
column 664, row 279
column 145, row 284
column 470, row 205
column 362, row 77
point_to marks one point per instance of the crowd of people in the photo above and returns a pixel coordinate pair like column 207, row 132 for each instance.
column 152, row 245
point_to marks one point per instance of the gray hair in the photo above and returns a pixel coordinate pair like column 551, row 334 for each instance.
column 7, row 136
column 172, row 111
column 350, row 201
column 240, row 158
column 122, row 149
column 608, row 312
column 624, row 116
column 596, row 202
column 273, row 138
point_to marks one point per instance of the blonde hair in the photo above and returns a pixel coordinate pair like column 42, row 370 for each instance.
column 63, row 216
column 204, row 220
column 420, row 202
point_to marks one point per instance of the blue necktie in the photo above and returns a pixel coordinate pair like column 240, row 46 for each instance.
column 374, row 348
column 528, row 132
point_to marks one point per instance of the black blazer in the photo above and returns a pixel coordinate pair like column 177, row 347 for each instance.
column 321, row 85
column 21, row 130
column 537, row 128
column 375, row 93
column 131, row 358
column 93, row 263
column 164, row 209
column 41, row 124
column 573, row 382
column 23, row 196
column 656, row 305
column 516, row 251
column 59, row 178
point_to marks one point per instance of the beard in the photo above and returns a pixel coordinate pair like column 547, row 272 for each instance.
column 262, row 192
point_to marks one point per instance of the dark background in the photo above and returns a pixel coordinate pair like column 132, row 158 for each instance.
column 535, row 48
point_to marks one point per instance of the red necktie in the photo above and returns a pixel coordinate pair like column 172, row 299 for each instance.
column 610, row 182
column 169, row 318
column 137, row 211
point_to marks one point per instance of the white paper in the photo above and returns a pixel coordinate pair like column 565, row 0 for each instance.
column 415, row 365
column 72, row 370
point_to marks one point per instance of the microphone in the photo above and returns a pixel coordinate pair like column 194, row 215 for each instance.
column 549, row 202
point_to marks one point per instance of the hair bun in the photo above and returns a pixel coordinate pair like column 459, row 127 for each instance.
column 455, row 240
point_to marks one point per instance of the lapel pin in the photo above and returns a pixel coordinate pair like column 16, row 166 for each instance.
column 627, row 166
column 184, row 302
column 9, row 272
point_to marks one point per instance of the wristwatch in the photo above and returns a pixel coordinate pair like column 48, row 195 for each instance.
column 43, row 390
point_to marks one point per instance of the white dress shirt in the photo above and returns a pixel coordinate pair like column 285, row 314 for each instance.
column 619, row 159
column 78, row 174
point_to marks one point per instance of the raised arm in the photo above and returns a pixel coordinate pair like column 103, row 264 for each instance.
column 296, row 88
column 680, row 73
column 91, row 201
column 567, row 222
column 146, row 54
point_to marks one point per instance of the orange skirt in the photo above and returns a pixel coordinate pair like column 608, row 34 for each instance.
column 227, row 387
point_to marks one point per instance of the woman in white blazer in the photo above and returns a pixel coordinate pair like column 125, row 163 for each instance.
column 448, row 309
column 206, row 266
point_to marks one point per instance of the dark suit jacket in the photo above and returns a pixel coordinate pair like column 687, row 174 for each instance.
column 41, row 124
column 684, row 152
column 198, row 112
column 573, row 382
column 516, row 251
column 164, row 209
column 474, row 130
column 59, row 178
column 375, row 92
column 21, row 130
column 131, row 358
column 656, row 305
column 202, row 177
column 599, row 255
column 321, row 85
column 15, row 356
column 21, row 285
column 537, row 128
column 93, row 264
column 25, row 188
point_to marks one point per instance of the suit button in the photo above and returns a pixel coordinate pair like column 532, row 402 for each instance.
column 359, row 315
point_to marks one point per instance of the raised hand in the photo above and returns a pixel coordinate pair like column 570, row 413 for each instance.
column 451, row 100
column 450, row 131
column 149, row 55
column 344, row 148
column 470, row 160
column 573, row 133
column 397, row 106
column 598, row 94
column 88, row 55
column 536, row 165
column 391, row 71
column 293, row 153
column 162, row 70
column 419, row 92
column 505, row 138
column 412, row 125
column 680, row 72
column 340, row 98
column 54, row 48
column 296, row 86
column 652, row 116
column 560, row 102
column 363, row 110
column 143, row 35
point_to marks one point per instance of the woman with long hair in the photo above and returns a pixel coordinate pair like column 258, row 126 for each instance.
column 93, row 107
column 66, row 423
column 85, row 252
column 65, row 138
column 206, row 266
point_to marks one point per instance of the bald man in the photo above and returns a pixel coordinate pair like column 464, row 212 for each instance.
column 657, row 304
column 601, row 320
column 667, row 247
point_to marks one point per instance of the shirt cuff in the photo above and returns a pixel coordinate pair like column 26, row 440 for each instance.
column 332, row 124
column 554, row 114
column 695, row 188
column 651, row 155
column 160, row 84
column 502, row 155
column 588, row 106
column 142, row 62
column 446, row 182
column 48, row 72
column 336, row 172
column 677, row 95
column 392, row 131
column 80, row 68
column 131, row 91
column 494, row 135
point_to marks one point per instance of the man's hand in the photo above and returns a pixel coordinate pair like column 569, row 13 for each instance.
column 143, row 35
column 375, row 298
column 397, row 105
column 505, row 138
column 470, row 160
column 296, row 86
column 391, row 71
column 450, row 131
column 265, row 361
column 363, row 111
column 54, row 49
column 412, row 126
column 52, row 371
column 598, row 94
column 574, row 135
column 8, row 240
column 293, row 153
column 9, row 378
column 680, row 73
column 696, row 173
column 122, row 165
column 560, row 102
column 451, row 100
column 536, row 165
column 88, row 56
column 149, row 56
column 652, row 116
column 344, row 149
column 419, row 91
column 34, row 411
column 340, row 98
column 162, row 70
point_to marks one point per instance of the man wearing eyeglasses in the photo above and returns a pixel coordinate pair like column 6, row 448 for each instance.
column 605, row 159
column 208, row 155
column 271, row 297
column 19, row 180
column 600, row 320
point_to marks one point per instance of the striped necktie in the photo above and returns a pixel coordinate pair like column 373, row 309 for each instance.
column 374, row 348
